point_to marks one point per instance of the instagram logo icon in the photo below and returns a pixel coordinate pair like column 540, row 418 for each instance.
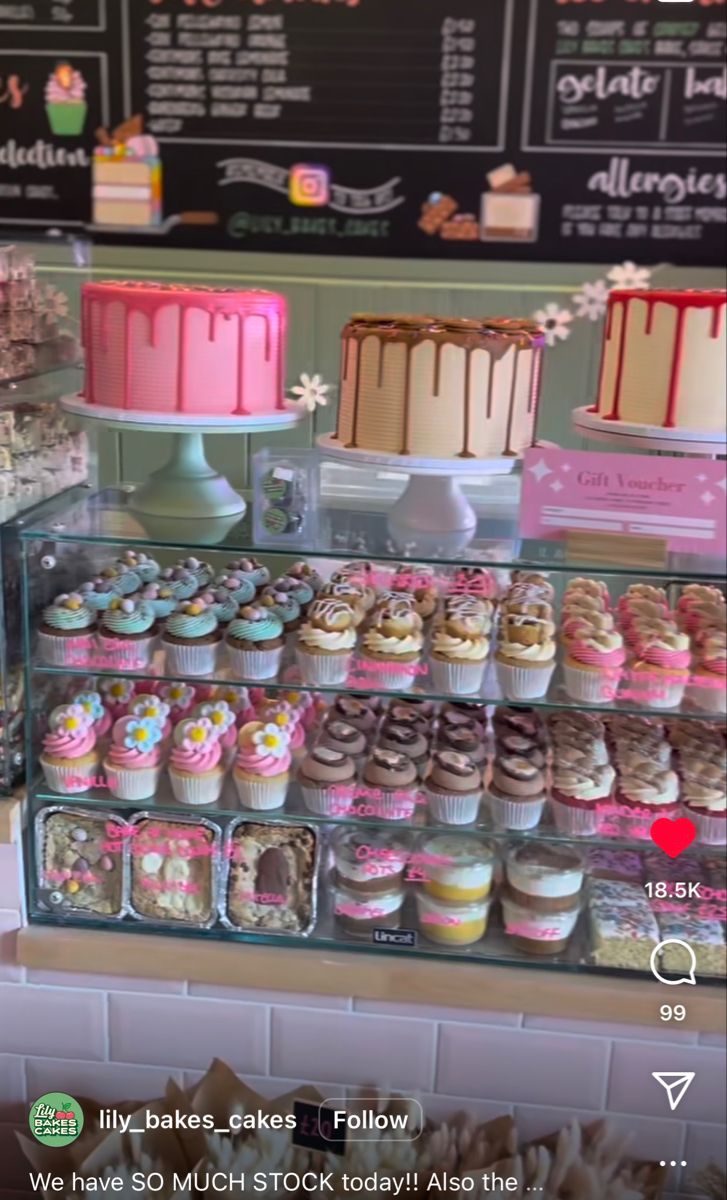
column 310, row 185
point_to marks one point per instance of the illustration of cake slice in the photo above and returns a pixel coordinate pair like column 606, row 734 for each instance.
column 436, row 209
column 127, row 177
column 65, row 102
column 510, row 209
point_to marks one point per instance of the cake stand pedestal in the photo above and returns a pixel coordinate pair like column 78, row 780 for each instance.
column 630, row 435
column 432, row 511
column 186, row 487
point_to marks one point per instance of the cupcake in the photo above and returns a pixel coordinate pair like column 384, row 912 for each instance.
column 325, row 643
column 350, row 594
column 346, row 739
column 593, row 665
column 459, row 656
column 579, row 793
column 237, row 700
column 195, row 770
column 98, row 593
column 279, row 712
column 127, row 634
column 301, row 591
column 516, row 795
column 420, row 581
column 222, row 719
column 202, row 571
column 124, row 579
column 704, row 798
column 645, row 791
column 66, row 634
column 252, row 569
column 456, row 870
column 367, row 863
column 142, row 564
column 161, row 598
column 464, row 737
column 708, row 687
column 453, row 788
column 150, row 707
column 221, row 603
column 525, row 656
column 322, row 775
column 262, row 766
column 544, row 877
column 134, row 761
column 392, row 647
column 413, row 711
column 69, row 757
column 284, row 606
column 255, row 643
column 359, row 916
column 239, row 587
column 359, row 713
column 451, row 924
column 303, row 571
column 392, row 780
column 191, row 639
column 180, row 698
column 405, row 739
column 117, row 694
column 363, row 577
column 181, row 581
column 92, row 704
column 661, row 667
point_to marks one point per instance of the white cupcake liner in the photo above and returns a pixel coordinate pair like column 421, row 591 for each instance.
column 115, row 654
column 707, row 699
column 199, row 659
column 324, row 801
column 324, row 670
column 575, row 821
column 390, row 676
column 591, row 687
column 395, row 807
column 76, row 651
column 457, row 678
column 125, row 784
column 711, row 831
column 453, row 808
column 69, row 779
column 262, row 795
column 524, row 683
column 255, row 664
column 197, row 790
column 515, row 814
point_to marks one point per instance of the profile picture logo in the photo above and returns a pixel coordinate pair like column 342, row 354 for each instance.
column 309, row 186
column 56, row 1119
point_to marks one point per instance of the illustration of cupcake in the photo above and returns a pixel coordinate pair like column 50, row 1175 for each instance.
column 134, row 761
column 262, row 767
column 65, row 102
column 195, row 766
column 69, row 758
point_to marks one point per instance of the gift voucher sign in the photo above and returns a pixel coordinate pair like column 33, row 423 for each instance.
column 681, row 500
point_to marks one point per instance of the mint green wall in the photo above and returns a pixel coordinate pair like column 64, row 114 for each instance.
column 322, row 292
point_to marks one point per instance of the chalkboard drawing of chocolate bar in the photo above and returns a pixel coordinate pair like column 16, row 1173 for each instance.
column 435, row 211
column 510, row 209
column 127, row 177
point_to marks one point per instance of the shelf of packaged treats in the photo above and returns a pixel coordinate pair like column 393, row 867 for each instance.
column 297, row 883
column 343, row 530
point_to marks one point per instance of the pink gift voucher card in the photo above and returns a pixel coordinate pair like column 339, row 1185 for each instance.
column 680, row 499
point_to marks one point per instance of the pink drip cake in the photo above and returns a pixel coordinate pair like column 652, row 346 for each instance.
column 170, row 348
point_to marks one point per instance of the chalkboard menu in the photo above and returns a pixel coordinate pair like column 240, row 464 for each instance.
column 570, row 130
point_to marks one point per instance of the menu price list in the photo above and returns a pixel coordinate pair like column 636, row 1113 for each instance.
column 322, row 74
column 74, row 14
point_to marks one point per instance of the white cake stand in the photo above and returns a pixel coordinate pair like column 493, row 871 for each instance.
column 634, row 436
column 432, row 507
column 186, row 487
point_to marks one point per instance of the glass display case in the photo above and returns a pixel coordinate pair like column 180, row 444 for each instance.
column 42, row 451
column 209, row 769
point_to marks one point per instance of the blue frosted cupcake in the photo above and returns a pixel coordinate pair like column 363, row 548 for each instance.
column 182, row 582
column 142, row 564
column 98, row 593
column 66, row 636
column 161, row 597
column 202, row 571
column 222, row 603
column 304, row 571
column 123, row 578
column 127, row 635
column 301, row 590
column 284, row 605
column 255, row 642
column 252, row 569
column 191, row 639
column 240, row 588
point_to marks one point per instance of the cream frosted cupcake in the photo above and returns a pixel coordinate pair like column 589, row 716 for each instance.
column 392, row 646
column 69, row 757
column 191, row 639
column 323, row 773
column 708, row 687
column 325, row 644
column 255, row 643
column 66, row 634
column 580, row 791
column 525, row 656
column 195, row 769
column 134, row 761
column 128, row 634
column 262, row 766
column 704, row 798
column 453, row 788
column 459, row 655
column 593, row 666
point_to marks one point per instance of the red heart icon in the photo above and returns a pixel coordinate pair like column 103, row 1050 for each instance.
column 673, row 837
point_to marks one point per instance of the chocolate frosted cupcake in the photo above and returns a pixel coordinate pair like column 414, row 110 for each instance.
column 403, row 739
column 339, row 735
column 359, row 713
column 419, row 714
column 463, row 739
column 392, row 778
column 513, row 744
column 327, row 779
column 516, row 796
column 368, row 863
column 454, row 788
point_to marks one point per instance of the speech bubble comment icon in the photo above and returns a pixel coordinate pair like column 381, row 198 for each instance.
column 689, row 977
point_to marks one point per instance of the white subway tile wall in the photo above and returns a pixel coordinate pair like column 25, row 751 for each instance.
column 122, row 1039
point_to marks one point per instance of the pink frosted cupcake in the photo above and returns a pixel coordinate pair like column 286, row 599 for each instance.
column 223, row 721
column 153, row 708
column 593, row 666
column 134, row 761
column 66, row 635
column 262, row 766
column 237, row 699
column 282, row 714
column 661, row 667
column 92, row 704
column 708, row 686
column 70, row 758
column 195, row 770
column 181, row 699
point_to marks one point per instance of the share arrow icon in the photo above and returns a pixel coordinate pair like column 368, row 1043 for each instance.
column 675, row 1084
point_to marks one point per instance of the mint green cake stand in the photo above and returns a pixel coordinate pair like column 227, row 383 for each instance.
column 186, row 487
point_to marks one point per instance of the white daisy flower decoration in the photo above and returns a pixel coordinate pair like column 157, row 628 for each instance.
column 310, row 392
column 555, row 323
column 628, row 275
column 592, row 300
column 56, row 302
column 272, row 740
column 220, row 714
